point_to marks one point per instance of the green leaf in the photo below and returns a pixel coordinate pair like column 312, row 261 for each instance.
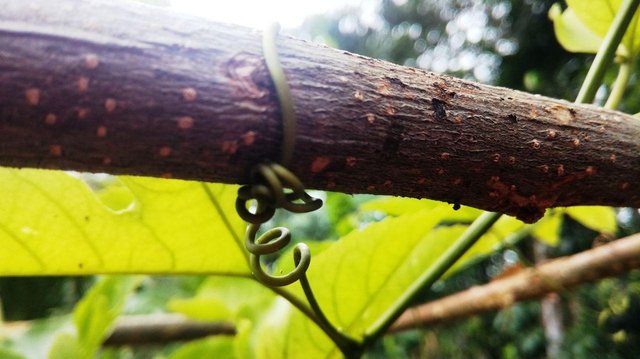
column 243, row 301
column 396, row 206
column 548, row 228
column 286, row 333
column 214, row 347
column 362, row 274
column 66, row 346
column 201, row 308
column 6, row 353
column 231, row 298
column 571, row 33
column 96, row 312
column 597, row 16
column 359, row 277
column 598, row 218
column 55, row 223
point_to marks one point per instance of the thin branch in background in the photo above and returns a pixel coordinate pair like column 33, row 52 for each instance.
column 605, row 261
column 163, row 328
column 608, row 260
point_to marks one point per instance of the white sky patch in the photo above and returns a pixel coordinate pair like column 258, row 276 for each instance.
column 260, row 13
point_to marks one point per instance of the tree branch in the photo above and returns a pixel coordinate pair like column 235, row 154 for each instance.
column 119, row 87
column 608, row 260
column 162, row 329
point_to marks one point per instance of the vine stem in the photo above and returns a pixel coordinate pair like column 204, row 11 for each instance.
column 607, row 50
column 484, row 222
column 620, row 84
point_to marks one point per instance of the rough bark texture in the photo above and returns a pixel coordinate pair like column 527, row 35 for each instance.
column 123, row 88
column 601, row 262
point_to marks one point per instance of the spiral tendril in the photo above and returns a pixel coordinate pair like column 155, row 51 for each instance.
column 267, row 190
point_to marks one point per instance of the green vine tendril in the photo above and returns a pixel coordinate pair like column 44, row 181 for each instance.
column 268, row 192
column 274, row 187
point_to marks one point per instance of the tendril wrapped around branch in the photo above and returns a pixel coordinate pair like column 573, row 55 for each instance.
column 268, row 192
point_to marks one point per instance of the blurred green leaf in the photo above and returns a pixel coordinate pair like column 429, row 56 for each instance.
column 571, row 33
column 396, row 206
column 231, row 298
column 95, row 314
column 6, row 353
column 597, row 16
column 201, row 308
column 214, row 347
column 54, row 223
column 548, row 228
column 598, row 218
column 66, row 346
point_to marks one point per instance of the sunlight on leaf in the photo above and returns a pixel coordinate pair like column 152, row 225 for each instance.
column 214, row 347
column 548, row 228
column 396, row 206
column 225, row 298
column 66, row 346
column 97, row 311
column 361, row 275
column 597, row 218
column 93, row 317
column 597, row 16
column 6, row 353
column 286, row 333
column 54, row 223
column 357, row 278
column 571, row 33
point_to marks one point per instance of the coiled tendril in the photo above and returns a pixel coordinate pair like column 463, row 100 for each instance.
column 268, row 191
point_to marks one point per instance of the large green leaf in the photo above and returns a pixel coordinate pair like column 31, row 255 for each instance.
column 54, row 223
column 548, row 228
column 571, row 33
column 597, row 218
column 597, row 15
column 359, row 277
column 66, row 346
column 287, row 333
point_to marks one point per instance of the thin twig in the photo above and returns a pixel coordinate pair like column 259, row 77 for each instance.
column 608, row 260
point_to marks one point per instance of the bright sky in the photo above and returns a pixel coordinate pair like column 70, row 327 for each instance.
column 259, row 13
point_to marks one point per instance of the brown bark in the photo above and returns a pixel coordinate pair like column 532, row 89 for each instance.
column 123, row 88
column 162, row 329
column 601, row 262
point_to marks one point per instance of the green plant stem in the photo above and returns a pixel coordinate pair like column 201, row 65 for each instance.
column 432, row 274
column 619, row 85
column 607, row 50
